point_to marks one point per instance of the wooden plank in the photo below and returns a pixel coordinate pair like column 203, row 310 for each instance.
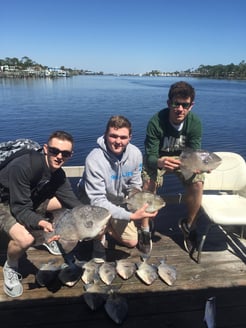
column 221, row 274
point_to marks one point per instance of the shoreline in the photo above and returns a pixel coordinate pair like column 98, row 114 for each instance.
column 38, row 75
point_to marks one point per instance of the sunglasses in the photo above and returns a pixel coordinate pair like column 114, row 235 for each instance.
column 55, row 151
column 185, row 105
column 116, row 136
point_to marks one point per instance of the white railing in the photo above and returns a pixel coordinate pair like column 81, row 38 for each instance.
column 73, row 171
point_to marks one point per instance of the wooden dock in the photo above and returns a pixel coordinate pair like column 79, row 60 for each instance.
column 222, row 273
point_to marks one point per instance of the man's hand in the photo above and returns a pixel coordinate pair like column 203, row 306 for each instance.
column 56, row 237
column 48, row 227
column 168, row 163
column 141, row 213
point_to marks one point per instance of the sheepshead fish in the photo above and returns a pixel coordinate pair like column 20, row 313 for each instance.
column 125, row 268
column 90, row 269
column 83, row 222
column 116, row 307
column 95, row 295
column 197, row 160
column 70, row 274
column 107, row 272
column 138, row 199
column 147, row 272
column 47, row 273
column 167, row 273
column 210, row 313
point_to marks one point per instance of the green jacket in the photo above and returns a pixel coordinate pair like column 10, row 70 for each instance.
column 162, row 139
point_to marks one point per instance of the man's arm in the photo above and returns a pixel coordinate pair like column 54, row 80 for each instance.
column 66, row 195
column 20, row 203
column 152, row 143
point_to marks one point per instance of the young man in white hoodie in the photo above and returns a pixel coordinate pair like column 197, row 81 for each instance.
column 112, row 170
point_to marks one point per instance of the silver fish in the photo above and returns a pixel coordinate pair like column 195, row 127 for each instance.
column 197, row 160
column 167, row 273
column 140, row 198
column 90, row 269
column 95, row 295
column 210, row 313
column 147, row 272
column 47, row 273
column 80, row 223
column 116, row 307
column 107, row 272
column 70, row 274
column 125, row 268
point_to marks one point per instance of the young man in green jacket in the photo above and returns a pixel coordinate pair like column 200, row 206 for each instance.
column 168, row 132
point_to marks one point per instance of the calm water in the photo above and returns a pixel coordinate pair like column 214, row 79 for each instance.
column 82, row 105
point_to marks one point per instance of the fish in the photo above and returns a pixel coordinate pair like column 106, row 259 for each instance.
column 193, row 161
column 90, row 269
column 95, row 295
column 69, row 274
column 107, row 272
column 83, row 222
column 147, row 272
column 167, row 273
column 210, row 312
column 47, row 273
column 116, row 307
column 125, row 268
column 138, row 199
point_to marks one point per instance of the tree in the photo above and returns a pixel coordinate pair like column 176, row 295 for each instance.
column 27, row 62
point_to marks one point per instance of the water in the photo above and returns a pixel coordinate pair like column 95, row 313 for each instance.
column 82, row 106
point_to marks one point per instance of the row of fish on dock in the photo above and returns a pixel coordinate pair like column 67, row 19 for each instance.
column 98, row 280
column 99, row 291
column 70, row 274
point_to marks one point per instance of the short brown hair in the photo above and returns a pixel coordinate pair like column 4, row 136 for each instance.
column 119, row 122
column 181, row 90
column 62, row 135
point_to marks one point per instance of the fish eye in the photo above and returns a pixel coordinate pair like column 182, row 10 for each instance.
column 88, row 223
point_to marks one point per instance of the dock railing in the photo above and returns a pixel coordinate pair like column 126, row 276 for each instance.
column 73, row 171
column 77, row 171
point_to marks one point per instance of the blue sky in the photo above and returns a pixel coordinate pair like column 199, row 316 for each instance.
column 124, row 36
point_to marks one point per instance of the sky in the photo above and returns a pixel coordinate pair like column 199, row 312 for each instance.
column 124, row 36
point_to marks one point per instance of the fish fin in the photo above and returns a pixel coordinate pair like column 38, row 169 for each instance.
column 186, row 173
column 129, row 207
column 133, row 192
column 145, row 257
column 80, row 263
column 68, row 245
column 115, row 288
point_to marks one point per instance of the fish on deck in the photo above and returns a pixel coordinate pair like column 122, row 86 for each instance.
column 125, row 268
column 70, row 274
column 47, row 273
column 95, row 294
column 116, row 307
column 107, row 272
column 167, row 273
column 147, row 272
column 90, row 269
